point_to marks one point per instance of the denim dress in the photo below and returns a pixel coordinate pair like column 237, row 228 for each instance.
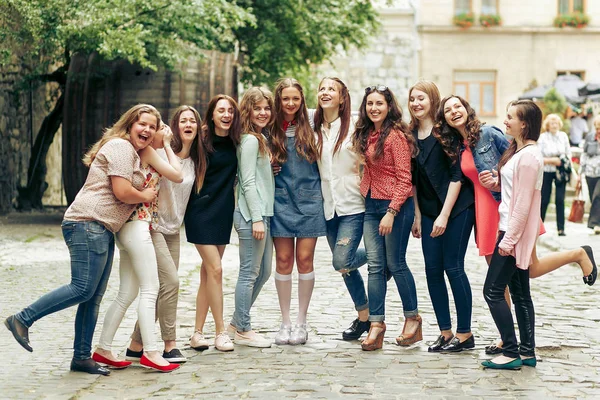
column 298, row 209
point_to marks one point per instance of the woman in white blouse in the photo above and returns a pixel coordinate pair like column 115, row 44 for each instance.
column 554, row 145
column 344, row 206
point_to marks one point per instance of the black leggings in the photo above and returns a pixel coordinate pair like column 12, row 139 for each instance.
column 503, row 271
column 559, row 199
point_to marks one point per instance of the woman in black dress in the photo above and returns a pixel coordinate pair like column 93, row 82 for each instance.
column 209, row 214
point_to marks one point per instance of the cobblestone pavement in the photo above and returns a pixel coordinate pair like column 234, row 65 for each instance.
column 34, row 260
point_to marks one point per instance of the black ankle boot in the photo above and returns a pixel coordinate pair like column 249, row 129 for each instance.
column 355, row 331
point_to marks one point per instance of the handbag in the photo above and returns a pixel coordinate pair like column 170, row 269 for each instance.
column 563, row 171
column 577, row 208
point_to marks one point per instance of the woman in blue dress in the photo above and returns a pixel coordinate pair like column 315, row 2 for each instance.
column 298, row 218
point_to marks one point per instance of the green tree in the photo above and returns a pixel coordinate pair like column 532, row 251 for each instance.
column 554, row 102
column 274, row 37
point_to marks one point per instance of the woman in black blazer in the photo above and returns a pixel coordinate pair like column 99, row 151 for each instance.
column 444, row 216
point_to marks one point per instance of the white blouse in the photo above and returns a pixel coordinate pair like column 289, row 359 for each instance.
column 340, row 174
column 554, row 145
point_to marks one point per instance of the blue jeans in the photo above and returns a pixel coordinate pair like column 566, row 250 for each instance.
column 92, row 248
column 389, row 252
column 256, row 257
column 446, row 253
column 343, row 235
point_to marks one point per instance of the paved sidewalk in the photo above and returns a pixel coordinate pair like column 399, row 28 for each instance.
column 34, row 260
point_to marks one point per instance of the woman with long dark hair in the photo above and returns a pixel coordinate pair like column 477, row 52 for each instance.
column 339, row 167
column 209, row 214
column 386, row 146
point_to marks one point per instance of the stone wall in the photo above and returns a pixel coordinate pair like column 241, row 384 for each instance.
column 389, row 60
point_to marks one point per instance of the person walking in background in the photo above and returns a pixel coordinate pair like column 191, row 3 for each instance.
column 209, row 215
column 339, row 167
column 578, row 131
column 384, row 143
column 554, row 145
column 590, row 168
column 444, row 210
column 113, row 187
column 298, row 218
column 172, row 201
column 252, row 216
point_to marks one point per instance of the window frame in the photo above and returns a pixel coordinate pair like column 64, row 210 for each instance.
column 570, row 11
column 470, row 11
column 580, row 73
column 497, row 7
column 481, row 84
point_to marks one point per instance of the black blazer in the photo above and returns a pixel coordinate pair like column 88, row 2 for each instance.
column 441, row 172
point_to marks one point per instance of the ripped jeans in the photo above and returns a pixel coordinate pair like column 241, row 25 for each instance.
column 343, row 235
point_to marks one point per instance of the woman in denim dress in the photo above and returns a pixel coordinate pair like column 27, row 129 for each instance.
column 298, row 218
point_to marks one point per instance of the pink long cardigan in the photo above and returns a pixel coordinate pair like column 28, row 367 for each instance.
column 523, row 211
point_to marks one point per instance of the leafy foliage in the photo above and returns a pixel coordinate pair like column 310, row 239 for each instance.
column 554, row 102
column 575, row 19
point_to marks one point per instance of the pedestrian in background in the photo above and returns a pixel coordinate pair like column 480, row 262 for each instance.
column 578, row 131
column 298, row 218
column 344, row 206
column 382, row 140
column 209, row 215
column 113, row 188
column 172, row 201
column 590, row 168
column 444, row 210
column 252, row 216
column 554, row 145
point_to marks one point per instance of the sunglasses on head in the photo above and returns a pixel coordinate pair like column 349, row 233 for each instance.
column 379, row 88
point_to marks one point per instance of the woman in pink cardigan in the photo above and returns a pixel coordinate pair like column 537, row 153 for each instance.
column 518, row 231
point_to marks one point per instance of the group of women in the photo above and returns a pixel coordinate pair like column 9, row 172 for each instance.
column 302, row 174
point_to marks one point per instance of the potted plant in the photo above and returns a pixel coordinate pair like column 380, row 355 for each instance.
column 464, row 20
column 575, row 19
column 488, row 20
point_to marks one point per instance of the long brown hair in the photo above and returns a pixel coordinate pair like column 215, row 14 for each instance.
column 449, row 137
column 253, row 96
column 208, row 129
column 432, row 91
column 529, row 113
column 345, row 113
column 197, row 150
column 393, row 120
column 306, row 144
column 121, row 129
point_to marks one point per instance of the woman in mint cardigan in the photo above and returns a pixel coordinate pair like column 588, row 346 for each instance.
column 251, row 219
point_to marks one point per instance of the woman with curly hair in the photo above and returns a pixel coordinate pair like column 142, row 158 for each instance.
column 252, row 216
column 386, row 146
column 444, row 215
column 298, row 218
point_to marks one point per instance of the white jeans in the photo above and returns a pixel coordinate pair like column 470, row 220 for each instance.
column 138, row 272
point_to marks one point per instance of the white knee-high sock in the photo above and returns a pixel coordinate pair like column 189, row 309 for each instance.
column 283, row 284
column 306, row 283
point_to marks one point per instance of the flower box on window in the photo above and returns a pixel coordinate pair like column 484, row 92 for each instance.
column 464, row 20
column 575, row 19
column 490, row 20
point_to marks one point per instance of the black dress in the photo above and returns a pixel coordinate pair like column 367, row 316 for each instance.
column 209, row 214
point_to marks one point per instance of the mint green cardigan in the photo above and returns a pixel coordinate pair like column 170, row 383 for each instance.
column 256, row 184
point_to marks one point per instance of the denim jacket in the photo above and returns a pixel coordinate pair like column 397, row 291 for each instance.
column 488, row 150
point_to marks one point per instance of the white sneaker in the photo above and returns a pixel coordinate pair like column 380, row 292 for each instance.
column 597, row 230
column 198, row 342
column 299, row 335
column 251, row 339
column 223, row 343
column 283, row 336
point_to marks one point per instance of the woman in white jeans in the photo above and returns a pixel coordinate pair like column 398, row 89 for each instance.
column 138, row 269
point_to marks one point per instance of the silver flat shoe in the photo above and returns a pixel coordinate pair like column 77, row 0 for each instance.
column 283, row 336
column 299, row 335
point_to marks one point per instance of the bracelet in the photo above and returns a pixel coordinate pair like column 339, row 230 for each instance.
column 392, row 211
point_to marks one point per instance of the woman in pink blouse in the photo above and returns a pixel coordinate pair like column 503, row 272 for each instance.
column 386, row 146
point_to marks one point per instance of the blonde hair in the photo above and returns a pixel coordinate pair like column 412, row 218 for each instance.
column 120, row 130
column 596, row 121
column 253, row 96
column 549, row 118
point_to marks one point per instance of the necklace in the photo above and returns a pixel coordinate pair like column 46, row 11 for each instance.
column 327, row 124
